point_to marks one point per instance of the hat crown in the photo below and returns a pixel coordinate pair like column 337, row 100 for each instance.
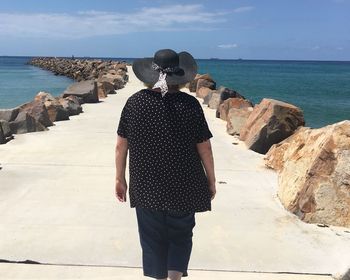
column 166, row 58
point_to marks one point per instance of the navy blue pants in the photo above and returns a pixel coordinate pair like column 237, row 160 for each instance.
column 166, row 241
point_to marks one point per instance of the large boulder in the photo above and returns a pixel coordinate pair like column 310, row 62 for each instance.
column 87, row 90
column 24, row 123
column 226, row 93
column 116, row 80
column 207, row 97
column 5, row 127
column 227, row 104
column 9, row 114
column 314, row 173
column 104, row 89
column 270, row 122
column 120, row 66
column 214, row 100
column 100, row 91
column 203, row 92
column 75, row 99
column 37, row 109
column 54, row 108
column 123, row 74
column 206, row 81
column 236, row 119
column 192, row 85
column 2, row 136
column 71, row 105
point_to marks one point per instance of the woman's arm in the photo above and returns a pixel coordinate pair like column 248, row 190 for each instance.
column 121, row 152
column 206, row 155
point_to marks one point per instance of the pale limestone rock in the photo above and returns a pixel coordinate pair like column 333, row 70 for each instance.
column 214, row 100
column 236, row 119
column 237, row 103
column 203, row 92
column 314, row 173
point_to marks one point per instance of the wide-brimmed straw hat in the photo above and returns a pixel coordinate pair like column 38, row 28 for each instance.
column 174, row 68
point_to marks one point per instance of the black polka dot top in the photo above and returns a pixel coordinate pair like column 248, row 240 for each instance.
column 166, row 172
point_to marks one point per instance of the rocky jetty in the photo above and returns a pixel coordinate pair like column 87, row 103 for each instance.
column 95, row 79
column 313, row 164
column 259, row 126
column 38, row 114
column 108, row 75
column 80, row 69
column 314, row 173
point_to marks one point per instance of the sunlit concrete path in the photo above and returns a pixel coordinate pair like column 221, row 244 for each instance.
column 58, row 207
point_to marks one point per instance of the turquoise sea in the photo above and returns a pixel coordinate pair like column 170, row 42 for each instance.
column 19, row 82
column 321, row 89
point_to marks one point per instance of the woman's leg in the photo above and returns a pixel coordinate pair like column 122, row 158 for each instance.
column 174, row 275
column 153, row 239
column 179, row 226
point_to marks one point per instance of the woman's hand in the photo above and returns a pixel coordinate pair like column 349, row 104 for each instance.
column 212, row 190
column 120, row 190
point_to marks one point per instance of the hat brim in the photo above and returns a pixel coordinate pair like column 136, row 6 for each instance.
column 144, row 71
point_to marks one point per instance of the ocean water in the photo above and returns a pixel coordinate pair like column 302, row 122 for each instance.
column 320, row 89
column 19, row 82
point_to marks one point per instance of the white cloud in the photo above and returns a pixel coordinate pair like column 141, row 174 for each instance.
column 339, row 48
column 228, row 46
column 315, row 48
column 98, row 23
column 243, row 9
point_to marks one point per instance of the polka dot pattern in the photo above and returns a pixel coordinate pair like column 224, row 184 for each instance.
column 166, row 172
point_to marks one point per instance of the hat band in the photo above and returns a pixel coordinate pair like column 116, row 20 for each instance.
column 174, row 69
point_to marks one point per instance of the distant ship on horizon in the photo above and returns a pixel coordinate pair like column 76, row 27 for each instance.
column 216, row 58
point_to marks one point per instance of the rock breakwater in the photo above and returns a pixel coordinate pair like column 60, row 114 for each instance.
column 95, row 79
column 259, row 126
column 312, row 164
column 80, row 69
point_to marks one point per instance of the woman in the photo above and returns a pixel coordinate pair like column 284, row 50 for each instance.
column 167, row 136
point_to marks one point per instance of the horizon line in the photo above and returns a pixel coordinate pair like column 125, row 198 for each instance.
column 213, row 59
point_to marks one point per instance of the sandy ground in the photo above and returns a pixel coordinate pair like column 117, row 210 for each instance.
column 58, row 207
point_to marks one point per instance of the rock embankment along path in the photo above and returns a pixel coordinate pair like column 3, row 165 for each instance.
column 313, row 164
column 95, row 80
column 58, row 207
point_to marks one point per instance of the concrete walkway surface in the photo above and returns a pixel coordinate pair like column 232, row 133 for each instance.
column 57, row 206
column 56, row 272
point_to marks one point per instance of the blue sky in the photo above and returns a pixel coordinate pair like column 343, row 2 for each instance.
column 248, row 29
